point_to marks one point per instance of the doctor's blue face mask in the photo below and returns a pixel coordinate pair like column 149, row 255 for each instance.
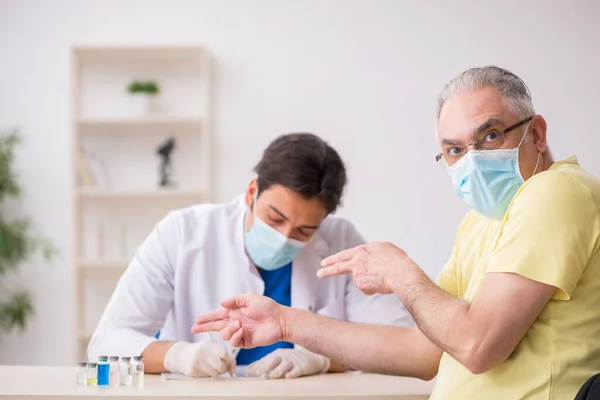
column 268, row 248
column 488, row 180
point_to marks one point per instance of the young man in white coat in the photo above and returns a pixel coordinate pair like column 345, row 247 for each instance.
column 271, row 241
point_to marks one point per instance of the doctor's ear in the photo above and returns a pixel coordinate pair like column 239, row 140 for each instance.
column 251, row 192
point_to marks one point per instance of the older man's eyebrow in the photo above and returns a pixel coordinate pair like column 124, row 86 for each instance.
column 476, row 133
column 487, row 125
column 451, row 142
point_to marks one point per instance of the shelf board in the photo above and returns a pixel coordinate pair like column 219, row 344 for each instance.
column 104, row 264
column 107, row 193
column 137, row 52
column 160, row 121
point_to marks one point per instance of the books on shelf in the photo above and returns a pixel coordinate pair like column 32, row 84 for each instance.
column 99, row 169
column 85, row 174
column 92, row 170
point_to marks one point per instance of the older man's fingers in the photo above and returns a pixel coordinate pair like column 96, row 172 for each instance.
column 215, row 326
column 214, row 315
column 344, row 267
column 238, row 301
column 231, row 328
column 236, row 339
column 342, row 256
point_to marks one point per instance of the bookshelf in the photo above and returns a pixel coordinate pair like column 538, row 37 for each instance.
column 164, row 122
column 116, row 192
column 123, row 194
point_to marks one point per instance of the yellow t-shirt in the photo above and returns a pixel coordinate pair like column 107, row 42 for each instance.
column 551, row 234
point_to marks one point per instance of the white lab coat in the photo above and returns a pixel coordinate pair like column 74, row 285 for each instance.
column 195, row 258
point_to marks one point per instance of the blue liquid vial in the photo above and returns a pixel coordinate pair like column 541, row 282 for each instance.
column 103, row 371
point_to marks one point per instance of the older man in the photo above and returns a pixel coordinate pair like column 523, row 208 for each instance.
column 514, row 314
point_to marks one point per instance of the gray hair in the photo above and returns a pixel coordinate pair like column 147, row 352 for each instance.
column 514, row 90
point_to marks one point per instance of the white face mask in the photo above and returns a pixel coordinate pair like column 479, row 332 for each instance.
column 268, row 248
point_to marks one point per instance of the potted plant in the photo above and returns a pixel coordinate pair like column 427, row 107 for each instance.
column 17, row 243
column 143, row 94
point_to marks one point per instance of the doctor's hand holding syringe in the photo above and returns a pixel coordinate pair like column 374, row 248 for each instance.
column 205, row 358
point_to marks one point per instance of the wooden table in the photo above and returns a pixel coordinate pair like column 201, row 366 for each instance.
column 53, row 383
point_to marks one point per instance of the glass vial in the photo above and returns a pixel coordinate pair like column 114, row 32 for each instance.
column 124, row 372
column 92, row 374
column 103, row 368
column 113, row 375
column 137, row 371
column 82, row 374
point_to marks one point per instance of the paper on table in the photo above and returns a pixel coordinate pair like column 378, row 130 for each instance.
column 240, row 372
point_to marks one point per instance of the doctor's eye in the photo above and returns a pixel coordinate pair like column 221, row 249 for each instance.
column 303, row 233
column 276, row 221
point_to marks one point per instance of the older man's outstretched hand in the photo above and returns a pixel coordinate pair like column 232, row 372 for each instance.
column 246, row 321
column 375, row 267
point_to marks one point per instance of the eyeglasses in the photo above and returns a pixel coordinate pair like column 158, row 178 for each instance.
column 491, row 140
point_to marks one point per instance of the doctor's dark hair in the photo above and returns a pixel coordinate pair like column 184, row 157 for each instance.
column 306, row 164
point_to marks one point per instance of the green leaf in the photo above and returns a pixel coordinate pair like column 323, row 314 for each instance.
column 15, row 244
column 152, row 88
column 8, row 182
column 15, row 311
column 143, row 87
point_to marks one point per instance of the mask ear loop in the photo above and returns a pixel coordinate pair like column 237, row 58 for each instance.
column 524, row 135
column 537, row 163
column 523, row 138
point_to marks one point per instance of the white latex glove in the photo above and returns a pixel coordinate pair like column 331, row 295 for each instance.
column 289, row 363
column 199, row 359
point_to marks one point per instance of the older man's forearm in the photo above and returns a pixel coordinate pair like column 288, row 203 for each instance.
column 443, row 318
column 374, row 348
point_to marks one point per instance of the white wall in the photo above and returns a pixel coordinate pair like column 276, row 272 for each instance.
column 362, row 74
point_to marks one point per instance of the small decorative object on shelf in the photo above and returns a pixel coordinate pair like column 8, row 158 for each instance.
column 143, row 95
column 166, row 172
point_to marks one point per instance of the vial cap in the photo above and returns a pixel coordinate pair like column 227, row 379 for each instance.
column 126, row 358
column 103, row 358
column 113, row 358
column 137, row 358
column 92, row 365
column 82, row 364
